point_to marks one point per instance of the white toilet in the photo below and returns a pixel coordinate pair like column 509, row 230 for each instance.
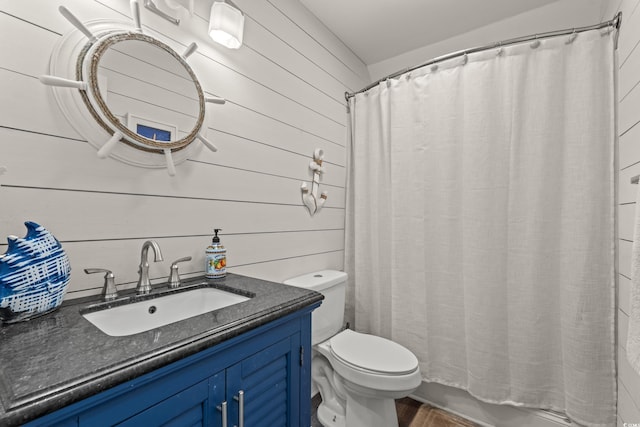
column 358, row 375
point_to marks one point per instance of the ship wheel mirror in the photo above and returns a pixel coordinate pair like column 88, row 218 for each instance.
column 129, row 94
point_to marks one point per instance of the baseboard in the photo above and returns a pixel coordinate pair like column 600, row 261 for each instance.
column 461, row 403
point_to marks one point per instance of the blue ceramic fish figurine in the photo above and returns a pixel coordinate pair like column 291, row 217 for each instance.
column 34, row 275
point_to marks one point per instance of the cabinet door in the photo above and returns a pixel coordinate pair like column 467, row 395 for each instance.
column 190, row 407
column 270, row 384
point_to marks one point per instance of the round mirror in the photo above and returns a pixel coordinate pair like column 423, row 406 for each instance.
column 144, row 89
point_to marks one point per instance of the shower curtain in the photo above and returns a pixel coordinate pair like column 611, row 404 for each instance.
column 480, row 229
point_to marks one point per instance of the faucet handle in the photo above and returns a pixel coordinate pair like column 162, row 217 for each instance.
column 109, row 290
column 174, row 277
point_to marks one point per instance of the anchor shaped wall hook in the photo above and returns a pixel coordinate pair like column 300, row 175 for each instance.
column 310, row 198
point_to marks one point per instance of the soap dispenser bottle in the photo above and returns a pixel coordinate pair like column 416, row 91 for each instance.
column 216, row 258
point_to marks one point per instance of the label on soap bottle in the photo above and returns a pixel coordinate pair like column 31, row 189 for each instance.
column 216, row 264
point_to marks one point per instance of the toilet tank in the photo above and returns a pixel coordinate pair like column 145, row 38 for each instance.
column 326, row 320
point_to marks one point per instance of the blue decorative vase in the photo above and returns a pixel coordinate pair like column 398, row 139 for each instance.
column 34, row 275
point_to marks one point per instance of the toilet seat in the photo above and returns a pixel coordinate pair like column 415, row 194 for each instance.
column 371, row 365
column 372, row 354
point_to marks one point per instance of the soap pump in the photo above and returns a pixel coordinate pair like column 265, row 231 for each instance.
column 216, row 258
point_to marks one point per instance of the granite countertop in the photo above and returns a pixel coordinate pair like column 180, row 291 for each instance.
column 60, row 358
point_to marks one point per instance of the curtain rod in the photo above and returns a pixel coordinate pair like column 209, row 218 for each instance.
column 615, row 23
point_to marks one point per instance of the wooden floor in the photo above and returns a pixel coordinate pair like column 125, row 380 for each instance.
column 414, row 414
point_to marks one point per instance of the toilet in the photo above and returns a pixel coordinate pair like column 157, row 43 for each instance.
column 358, row 375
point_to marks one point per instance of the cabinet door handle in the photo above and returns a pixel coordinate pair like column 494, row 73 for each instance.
column 240, row 399
column 223, row 408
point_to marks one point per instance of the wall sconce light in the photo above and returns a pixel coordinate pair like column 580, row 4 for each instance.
column 226, row 24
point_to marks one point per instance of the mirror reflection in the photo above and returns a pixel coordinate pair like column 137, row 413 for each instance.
column 148, row 90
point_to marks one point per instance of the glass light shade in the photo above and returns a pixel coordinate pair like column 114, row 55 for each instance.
column 226, row 25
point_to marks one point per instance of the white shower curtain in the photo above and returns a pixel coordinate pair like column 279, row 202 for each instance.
column 480, row 229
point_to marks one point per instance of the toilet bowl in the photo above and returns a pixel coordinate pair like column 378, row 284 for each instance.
column 358, row 375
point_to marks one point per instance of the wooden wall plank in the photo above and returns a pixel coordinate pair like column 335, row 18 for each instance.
column 123, row 256
column 630, row 103
column 624, row 293
column 122, row 216
column 629, row 75
column 626, row 214
column 241, row 121
column 275, row 270
column 243, row 153
column 28, row 158
column 623, row 329
column 224, row 82
column 627, row 191
column 281, row 270
column 281, row 25
column 629, row 146
column 13, row 48
column 629, row 36
column 263, row 41
column 311, row 25
column 32, row 106
column 624, row 257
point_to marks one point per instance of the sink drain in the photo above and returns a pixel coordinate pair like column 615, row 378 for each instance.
column 152, row 309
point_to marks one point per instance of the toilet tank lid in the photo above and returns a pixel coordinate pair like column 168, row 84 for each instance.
column 318, row 280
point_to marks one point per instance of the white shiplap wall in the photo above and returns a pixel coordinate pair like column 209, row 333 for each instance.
column 629, row 165
column 285, row 91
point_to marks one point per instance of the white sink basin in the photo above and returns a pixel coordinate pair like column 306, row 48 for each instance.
column 149, row 314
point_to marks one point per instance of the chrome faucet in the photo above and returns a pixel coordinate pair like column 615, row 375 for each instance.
column 144, row 286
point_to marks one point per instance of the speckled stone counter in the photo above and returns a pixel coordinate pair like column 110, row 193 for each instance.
column 60, row 358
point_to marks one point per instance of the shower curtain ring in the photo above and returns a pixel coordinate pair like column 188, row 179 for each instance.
column 535, row 43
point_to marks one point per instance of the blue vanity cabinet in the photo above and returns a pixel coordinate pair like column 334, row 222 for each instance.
column 262, row 375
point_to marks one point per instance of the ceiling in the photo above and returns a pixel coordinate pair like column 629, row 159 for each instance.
column 376, row 30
